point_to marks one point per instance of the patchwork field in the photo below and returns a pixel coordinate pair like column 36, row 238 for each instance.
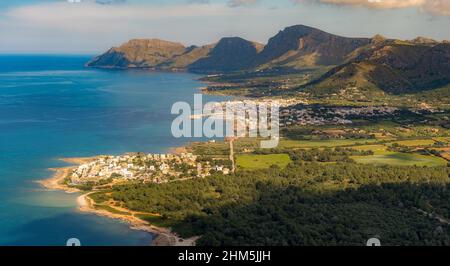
column 415, row 142
column 245, row 159
column 442, row 139
column 292, row 144
column 400, row 159
column 252, row 161
column 375, row 148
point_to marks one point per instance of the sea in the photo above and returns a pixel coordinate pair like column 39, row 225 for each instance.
column 52, row 107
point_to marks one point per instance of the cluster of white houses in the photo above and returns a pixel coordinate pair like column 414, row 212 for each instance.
column 158, row 168
column 241, row 108
column 294, row 112
column 300, row 115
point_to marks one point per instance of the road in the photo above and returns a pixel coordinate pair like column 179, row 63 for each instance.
column 233, row 165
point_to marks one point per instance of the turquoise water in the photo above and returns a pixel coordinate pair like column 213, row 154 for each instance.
column 52, row 107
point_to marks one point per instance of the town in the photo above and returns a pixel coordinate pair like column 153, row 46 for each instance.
column 295, row 112
column 156, row 168
column 303, row 115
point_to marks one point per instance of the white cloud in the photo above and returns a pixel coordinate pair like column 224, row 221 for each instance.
column 246, row 3
column 88, row 26
column 65, row 11
column 440, row 7
column 378, row 3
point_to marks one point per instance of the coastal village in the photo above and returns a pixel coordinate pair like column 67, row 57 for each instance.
column 305, row 116
column 156, row 168
column 297, row 112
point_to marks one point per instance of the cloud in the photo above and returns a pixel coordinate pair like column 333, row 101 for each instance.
column 378, row 3
column 56, row 13
column 88, row 26
column 101, row 2
column 109, row 2
column 441, row 7
column 245, row 3
column 438, row 7
column 198, row 1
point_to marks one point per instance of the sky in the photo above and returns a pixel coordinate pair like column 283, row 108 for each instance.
column 93, row 26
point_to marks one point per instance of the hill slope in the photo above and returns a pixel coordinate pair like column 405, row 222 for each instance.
column 301, row 46
column 230, row 54
column 151, row 53
column 394, row 67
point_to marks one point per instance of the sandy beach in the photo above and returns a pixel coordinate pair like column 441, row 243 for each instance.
column 56, row 182
column 178, row 150
column 162, row 236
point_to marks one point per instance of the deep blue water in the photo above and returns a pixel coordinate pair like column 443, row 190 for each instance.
column 52, row 107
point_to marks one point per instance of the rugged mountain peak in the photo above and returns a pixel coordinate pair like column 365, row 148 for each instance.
column 301, row 30
column 424, row 40
column 139, row 53
column 229, row 54
column 150, row 43
column 378, row 38
column 300, row 46
column 228, row 43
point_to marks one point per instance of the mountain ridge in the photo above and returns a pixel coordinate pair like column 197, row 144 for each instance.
column 388, row 65
column 308, row 45
column 393, row 66
column 293, row 47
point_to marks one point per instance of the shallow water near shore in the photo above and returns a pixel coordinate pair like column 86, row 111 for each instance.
column 52, row 107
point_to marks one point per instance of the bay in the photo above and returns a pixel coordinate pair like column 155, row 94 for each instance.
column 53, row 107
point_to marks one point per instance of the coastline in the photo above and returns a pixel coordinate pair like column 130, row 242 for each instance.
column 161, row 236
column 56, row 181
column 164, row 236
column 177, row 150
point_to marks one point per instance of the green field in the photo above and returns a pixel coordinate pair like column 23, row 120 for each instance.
column 400, row 159
column 252, row 161
column 415, row 142
column 292, row 144
column 443, row 139
column 375, row 148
